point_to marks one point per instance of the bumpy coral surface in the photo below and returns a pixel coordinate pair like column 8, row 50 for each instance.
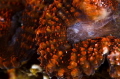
column 74, row 37
column 16, row 41
column 67, row 41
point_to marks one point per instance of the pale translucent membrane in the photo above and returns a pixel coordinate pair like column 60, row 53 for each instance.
column 91, row 29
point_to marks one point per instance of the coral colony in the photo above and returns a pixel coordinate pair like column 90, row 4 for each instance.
column 72, row 37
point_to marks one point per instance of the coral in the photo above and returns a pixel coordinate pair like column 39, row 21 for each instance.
column 73, row 42
column 73, row 37
column 16, row 41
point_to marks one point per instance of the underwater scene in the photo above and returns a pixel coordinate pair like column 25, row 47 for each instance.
column 59, row 39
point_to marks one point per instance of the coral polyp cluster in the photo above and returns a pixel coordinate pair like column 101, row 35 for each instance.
column 73, row 40
column 96, row 9
column 72, row 37
column 16, row 43
column 85, row 57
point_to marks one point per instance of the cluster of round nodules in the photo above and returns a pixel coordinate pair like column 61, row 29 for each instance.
column 114, row 60
column 85, row 57
column 61, row 57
